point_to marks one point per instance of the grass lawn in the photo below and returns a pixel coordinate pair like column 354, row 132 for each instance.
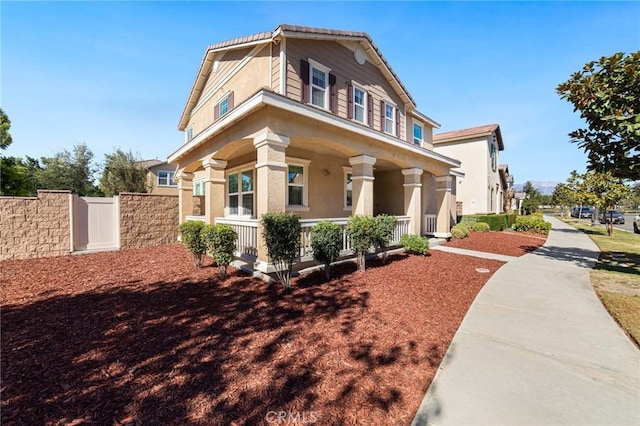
column 616, row 277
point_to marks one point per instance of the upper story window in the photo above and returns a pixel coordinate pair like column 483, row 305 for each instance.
column 189, row 133
column 359, row 104
column 224, row 105
column 318, row 85
column 389, row 118
column 240, row 193
column 418, row 137
column 165, row 178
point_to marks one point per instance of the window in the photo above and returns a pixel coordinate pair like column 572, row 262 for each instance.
column 417, row 134
column 165, row 178
column 297, row 184
column 189, row 133
column 199, row 187
column 389, row 118
column 348, row 188
column 240, row 193
column 359, row 104
column 224, row 105
column 319, row 78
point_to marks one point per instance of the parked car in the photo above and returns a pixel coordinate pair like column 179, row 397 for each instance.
column 582, row 212
column 612, row 216
column 636, row 224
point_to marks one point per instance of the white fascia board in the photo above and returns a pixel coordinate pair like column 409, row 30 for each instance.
column 426, row 119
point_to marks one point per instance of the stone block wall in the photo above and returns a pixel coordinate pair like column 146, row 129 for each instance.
column 148, row 219
column 35, row 226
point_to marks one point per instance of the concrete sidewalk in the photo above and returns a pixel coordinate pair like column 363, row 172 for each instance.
column 538, row 348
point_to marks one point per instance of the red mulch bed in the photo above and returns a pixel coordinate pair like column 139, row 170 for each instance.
column 504, row 242
column 142, row 337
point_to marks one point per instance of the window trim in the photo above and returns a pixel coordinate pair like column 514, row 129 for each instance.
column 393, row 118
column 239, row 170
column 304, row 163
column 421, row 126
column 224, row 97
column 188, row 133
column 170, row 179
column 202, row 182
column 346, row 172
column 326, row 70
column 365, row 115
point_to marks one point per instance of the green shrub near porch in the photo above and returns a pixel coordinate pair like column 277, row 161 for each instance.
column 496, row 222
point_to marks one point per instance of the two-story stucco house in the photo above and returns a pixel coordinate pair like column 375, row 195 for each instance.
column 313, row 121
column 483, row 186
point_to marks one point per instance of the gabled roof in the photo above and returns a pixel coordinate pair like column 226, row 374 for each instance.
column 470, row 133
column 292, row 31
column 145, row 164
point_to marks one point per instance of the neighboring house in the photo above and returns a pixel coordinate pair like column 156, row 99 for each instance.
column 506, row 183
column 160, row 177
column 483, row 187
column 313, row 121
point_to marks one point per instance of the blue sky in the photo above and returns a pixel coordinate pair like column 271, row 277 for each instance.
column 117, row 74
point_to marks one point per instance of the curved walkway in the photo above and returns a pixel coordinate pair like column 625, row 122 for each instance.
column 538, row 348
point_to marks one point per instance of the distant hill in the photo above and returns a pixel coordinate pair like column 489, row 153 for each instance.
column 545, row 188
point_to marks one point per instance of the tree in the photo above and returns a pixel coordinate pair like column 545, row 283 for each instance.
column 326, row 242
column 121, row 173
column 220, row 241
column 563, row 196
column 361, row 231
column 18, row 177
column 69, row 170
column 383, row 233
column 531, row 203
column 192, row 238
column 602, row 190
column 5, row 125
column 607, row 94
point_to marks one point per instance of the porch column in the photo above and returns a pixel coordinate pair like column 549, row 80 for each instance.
column 185, row 194
column 271, row 183
column 214, row 188
column 413, row 198
column 443, row 200
column 362, row 178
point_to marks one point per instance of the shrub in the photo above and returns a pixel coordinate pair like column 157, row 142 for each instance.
column 464, row 226
column 361, row 231
column 221, row 243
column 190, row 232
column 461, row 231
column 458, row 232
column 281, row 234
column 532, row 224
column 415, row 244
column 326, row 242
column 384, row 227
column 496, row 222
column 469, row 219
column 480, row 227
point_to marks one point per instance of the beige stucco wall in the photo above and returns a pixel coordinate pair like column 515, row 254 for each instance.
column 35, row 226
column 148, row 220
column 474, row 189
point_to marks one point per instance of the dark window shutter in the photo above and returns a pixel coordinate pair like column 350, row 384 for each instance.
column 230, row 100
column 370, row 109
column 382, row 116
column 349, row 100
column 304, row 78
column 397, row 122
column 216, row 112
column 333, row 102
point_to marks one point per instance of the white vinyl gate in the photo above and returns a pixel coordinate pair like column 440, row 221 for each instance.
column 95, row 223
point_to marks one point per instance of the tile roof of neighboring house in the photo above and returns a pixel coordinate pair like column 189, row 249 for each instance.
column 145, row 164
column 287, row 28
column 462, row 134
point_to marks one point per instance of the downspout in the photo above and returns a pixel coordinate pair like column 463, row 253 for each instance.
column 283, row 66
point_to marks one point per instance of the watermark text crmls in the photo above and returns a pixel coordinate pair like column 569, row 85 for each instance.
column 291, row 417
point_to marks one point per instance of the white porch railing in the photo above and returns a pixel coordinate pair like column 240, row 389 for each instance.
column 402, row 227
column 247, row 230
column 306, row 253
column 430, row 223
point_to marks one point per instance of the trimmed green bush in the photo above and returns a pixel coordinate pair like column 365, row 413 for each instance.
column 281, row 234
column 221, row 243
column 361, row 230
column 496, row 222
column 190, row 232
column 480, row 227
column 326, row 242
column 384, row 227
column 469, row 219
column 458, row 233
column 415, row 244
column 532, row 224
